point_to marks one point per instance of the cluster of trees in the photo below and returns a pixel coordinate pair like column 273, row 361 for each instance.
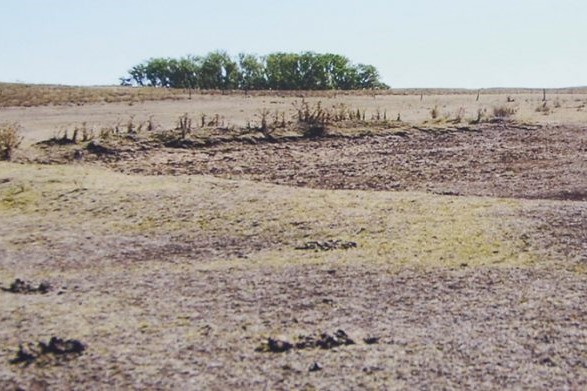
column 276, row 71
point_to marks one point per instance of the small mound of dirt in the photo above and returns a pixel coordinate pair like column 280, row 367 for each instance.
column 55, row 351
column 327, row 245
column 317, row 341
column 325, row 340
column 371, row 340
column 23, row 287
column 277, row 345
column 98, row 149
column 54, row 141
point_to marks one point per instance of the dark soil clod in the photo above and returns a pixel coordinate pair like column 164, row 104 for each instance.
column 278, row 346
column 23, row 357
column 315, row 367
column 57, row 349
column 371, row 340
column 59, row 346
column 317, row 341
column 274, row 346
column 23, row 287
column 324, row 340
column 98, row 149
column 327, row 245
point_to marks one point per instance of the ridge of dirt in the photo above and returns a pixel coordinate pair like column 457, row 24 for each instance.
column 496, row 160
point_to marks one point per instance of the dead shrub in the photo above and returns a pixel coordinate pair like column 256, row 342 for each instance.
column 503, row 112
column 10, row 139
column 460, row 115
column 263, row 114
column 543, row 108
column 184, row 125
column 311, row 114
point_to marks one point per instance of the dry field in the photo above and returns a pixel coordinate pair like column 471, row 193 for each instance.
column 424, row 253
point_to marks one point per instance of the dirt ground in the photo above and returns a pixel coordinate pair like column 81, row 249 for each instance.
column 40, row 123
column 496, row 160
column 430, row 255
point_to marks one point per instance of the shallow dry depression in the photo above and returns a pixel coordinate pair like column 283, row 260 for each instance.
column 196, row 281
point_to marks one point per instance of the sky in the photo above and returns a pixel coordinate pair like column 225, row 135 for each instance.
column 413, row 43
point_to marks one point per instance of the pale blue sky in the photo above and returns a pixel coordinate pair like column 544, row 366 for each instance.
column 414, row 43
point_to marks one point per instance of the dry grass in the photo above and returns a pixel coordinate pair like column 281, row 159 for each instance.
column 176, row 279
column 398, row 229
column 27, row 95
column 503, row 112
column 10, row 139
column 238, row 110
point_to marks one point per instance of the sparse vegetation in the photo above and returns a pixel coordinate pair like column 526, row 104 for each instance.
column 184, row 125
column 481, row 115
column 31, row 95
column 10, row 139
column 460, row 115
column 503, row 112
column 255, row 216
column 263, row 115
column 544, row 108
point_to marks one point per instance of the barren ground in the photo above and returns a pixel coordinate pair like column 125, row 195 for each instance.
column 453, row 256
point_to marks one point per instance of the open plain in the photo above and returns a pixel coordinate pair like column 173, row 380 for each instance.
column 391, row 240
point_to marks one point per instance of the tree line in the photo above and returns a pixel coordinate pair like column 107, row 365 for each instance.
column 276, row 71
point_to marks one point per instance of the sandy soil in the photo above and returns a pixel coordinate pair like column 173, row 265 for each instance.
column 254, row 265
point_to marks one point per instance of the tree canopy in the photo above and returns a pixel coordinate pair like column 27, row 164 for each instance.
column 276, row 71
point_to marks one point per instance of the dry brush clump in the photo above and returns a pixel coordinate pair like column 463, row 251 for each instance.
column 269, row 121
column 313, row 119
column 447, row 117
column 83, row 133
column 543, row 108
column 128, row 129
column 481, row 116
column 503, row 112
column 184, row 125
column 10, row 139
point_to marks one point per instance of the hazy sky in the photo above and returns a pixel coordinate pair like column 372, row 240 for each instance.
column 413, row 43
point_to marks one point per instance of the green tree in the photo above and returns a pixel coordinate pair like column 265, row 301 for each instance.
column 277, row 71
column 312, row 72
column 157, row 72
column 368, row 77
column 282, row 71
column 138, row 75
column 252, row 72
column 219, row 71
column 184, row 73
column 342, row 75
